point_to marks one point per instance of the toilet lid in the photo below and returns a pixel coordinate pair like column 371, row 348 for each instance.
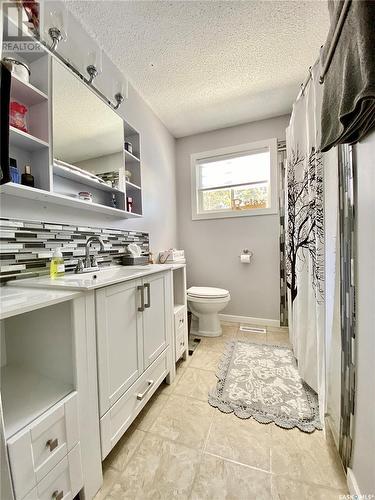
column 207, row 292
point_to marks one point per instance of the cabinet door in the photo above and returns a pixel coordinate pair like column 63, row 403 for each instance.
column 119, row 334
column 155, row 319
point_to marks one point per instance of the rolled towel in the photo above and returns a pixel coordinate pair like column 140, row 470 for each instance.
column 348, row 107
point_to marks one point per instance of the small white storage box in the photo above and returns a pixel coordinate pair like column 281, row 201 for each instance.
column 172, row 256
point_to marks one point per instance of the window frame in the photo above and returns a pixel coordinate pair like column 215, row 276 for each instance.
column 233, row 151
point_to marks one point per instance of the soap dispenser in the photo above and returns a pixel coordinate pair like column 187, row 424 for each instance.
column 57, row 268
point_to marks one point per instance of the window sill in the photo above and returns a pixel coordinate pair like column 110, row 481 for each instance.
column 232, row 214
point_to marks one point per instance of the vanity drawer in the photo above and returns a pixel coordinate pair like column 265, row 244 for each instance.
column 180, row 319
column 37, row 449
column 63, row 482
column 180, row 343
column 118, row 418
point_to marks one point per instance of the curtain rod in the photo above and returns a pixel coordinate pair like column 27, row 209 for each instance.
column 332, row 48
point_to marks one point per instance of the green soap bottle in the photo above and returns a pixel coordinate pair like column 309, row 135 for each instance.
column 57, row 268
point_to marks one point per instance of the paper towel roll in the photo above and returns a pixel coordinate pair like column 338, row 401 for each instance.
column 245, row 258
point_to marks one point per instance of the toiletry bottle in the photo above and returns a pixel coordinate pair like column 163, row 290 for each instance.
column 57, row 268
column 27, row 179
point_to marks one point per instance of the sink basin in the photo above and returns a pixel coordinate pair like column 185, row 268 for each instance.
column 84, row 281
column 99, row 275
column 92, row 280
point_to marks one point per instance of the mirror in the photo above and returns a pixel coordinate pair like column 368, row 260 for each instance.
column 87, row 133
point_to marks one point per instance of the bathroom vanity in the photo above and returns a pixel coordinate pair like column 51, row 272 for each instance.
column 121, row 327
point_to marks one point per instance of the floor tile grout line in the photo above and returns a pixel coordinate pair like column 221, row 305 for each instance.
column 202, row 452
column 238, row 463
column 179, row 443
column 208, row 435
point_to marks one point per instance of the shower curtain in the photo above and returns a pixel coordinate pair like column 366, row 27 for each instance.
column 305, row 237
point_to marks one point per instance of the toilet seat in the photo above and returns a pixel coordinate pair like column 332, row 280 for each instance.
column 207, row 293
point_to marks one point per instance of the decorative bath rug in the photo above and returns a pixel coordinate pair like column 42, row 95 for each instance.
column 262, row 381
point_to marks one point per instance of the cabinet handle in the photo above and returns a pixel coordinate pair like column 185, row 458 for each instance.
column 52, row 444
column 58, row 495
column 141, row 395
column 142, row 290
column 148, row 288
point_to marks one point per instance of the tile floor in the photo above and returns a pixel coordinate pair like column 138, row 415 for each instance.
column 181, row 447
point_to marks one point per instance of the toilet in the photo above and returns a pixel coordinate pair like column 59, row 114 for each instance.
column 205, row 303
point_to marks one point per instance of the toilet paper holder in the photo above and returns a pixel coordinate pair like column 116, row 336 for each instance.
column 246, row 255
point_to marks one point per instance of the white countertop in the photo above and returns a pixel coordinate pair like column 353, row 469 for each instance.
column 97, row 279
column 26, row 295
column 19, row 300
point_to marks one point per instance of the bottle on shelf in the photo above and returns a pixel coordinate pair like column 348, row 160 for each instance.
column 129, row 203
column 57, row 267
column 114, row 201
column 14, row 172
column 27, row 179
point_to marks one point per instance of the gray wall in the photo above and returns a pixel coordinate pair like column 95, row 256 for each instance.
column 212, row 246
column 364, row 423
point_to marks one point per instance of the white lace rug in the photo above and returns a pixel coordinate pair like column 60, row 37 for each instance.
column 262, row 381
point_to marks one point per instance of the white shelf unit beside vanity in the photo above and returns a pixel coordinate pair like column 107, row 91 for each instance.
column 181, row 334
column 36, row 147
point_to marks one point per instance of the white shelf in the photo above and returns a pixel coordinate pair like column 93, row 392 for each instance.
column 130, row 156
column 59, row 199
column 178, row 307
column 26, row 93
column 128, row 183
column 82, row 179
column 25, row 141
column 26, row 395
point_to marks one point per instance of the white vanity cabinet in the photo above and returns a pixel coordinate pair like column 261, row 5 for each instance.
column 155, row 316
column 119, row 340
column 134, row 326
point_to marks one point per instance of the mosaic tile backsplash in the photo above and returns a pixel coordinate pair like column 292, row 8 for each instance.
column 26, row 247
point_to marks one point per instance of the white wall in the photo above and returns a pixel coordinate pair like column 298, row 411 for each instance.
column 364, row 422
column 212, row 246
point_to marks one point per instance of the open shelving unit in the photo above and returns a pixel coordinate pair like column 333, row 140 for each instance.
column 59, row 199
column 133, row 172
column 35, row 148
column 41, row 374
column 27, row 394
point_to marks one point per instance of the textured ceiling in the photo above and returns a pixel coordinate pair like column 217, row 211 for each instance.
column 207, row 65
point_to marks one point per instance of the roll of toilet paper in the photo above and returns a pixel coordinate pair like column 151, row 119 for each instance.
column 245, row 258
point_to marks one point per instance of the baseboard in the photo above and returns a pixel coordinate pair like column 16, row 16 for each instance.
column 352, row 484
column 250, row 320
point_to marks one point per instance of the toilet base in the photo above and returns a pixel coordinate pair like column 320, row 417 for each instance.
column 198, row 328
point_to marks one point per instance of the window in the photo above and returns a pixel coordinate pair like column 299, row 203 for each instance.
column 235, row 181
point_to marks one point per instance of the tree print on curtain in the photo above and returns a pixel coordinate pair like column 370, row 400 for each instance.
column 305, row 224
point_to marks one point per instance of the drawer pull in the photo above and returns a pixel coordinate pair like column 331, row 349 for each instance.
column 148, row 288
column 58, row 495
column 142, row 291
column 52, row 444
column 141, row 395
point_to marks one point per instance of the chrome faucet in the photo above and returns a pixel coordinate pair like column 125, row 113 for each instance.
column 90, row 263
